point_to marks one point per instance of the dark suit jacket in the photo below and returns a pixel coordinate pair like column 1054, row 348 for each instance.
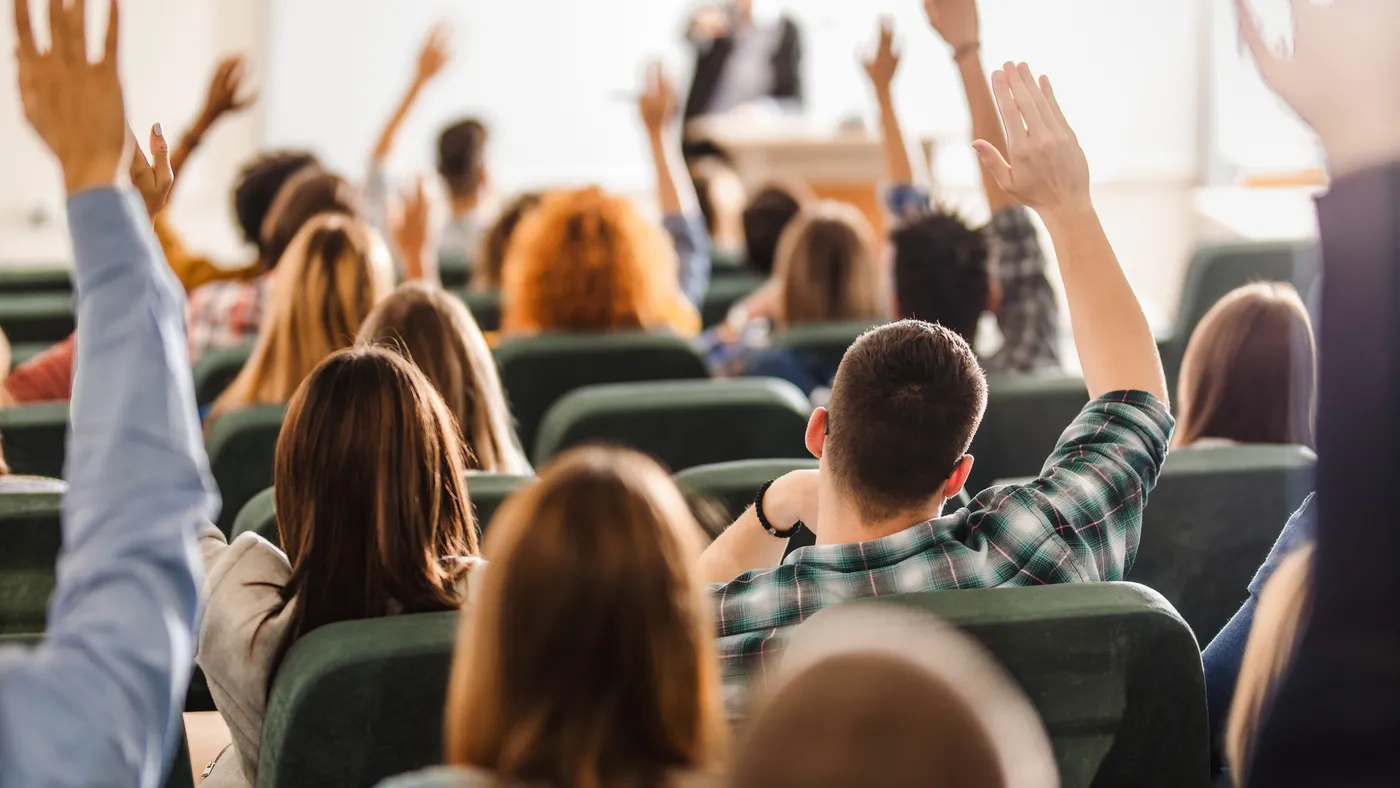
column 709, row 67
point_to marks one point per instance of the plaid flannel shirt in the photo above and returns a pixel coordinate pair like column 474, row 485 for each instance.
column 1030, row 314
column 226, row 314
column 1079, row 521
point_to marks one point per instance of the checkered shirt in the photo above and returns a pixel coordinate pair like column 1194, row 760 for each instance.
column 226, row 314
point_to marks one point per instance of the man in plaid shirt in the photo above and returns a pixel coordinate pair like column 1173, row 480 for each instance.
column 904, row 406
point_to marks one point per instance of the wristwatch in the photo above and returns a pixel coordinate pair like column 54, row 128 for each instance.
column 763, row 519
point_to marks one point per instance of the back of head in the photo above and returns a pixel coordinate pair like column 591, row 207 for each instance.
column 904, row 406
column 827, row 269
column 941, row 272
column 462, row 157
column 258, row 184
column 1249, row 372
column 333, row 274
column 589, row 658
column 308, row 193
column 372, row 505
column 768, row 214
column 434, row 330
column 495, row 245
column 587, row 260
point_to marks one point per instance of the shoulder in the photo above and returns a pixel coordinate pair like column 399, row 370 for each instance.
column 244, row 581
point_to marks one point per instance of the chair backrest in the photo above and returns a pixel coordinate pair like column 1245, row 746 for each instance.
column 36, row 317
column 1112, row 669
column 242, row 447
column 485, row 308
column 683, row 423
column 358, row 701
column 259, row 516
column 826, row 341
column 53, row 279
column 733, row 485
column 453, row 271
column 1026, row 414
column 34, row 438
column 724, row 293
column 537, row 371
column 215, row 370
column 1211, row 522
column 30, row 538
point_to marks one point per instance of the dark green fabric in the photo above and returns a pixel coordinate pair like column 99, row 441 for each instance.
column 683, row 423
column 453, row 271
column 537, row 371
column 826, row 341
column 36, row 317
column 718, row 493
column 242, row 447
column 215, row 370
column 358, row 701
column 1211, row 521
column 1112, row 669
column 258, row 515
column 33, row 438
column 723, row 293
column 1026, row 414
column 30, row 538
column 23, row 351
column 36, row 280
column 485, row 308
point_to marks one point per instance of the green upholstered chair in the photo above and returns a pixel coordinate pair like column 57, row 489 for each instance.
column 21, row 352
column 30, row 538
column 1026, row 414
column 34, row 438
column 718, row 493
column 724, row 293
column 453, row 271
column 215, row 370
column 36, row 317
column 358, row 701
column 485, row 308
column 242, row 447
column 537, row 371
column 827, row 341
column 1111, row 667
column 683, row 423
column 258, row 515
column 53, row 279
column 1212, row 520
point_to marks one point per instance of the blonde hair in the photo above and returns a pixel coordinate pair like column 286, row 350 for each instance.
column 593, row 565
column 436, row 332
column 1278, row 619
column 333, row 273
column 826, row 267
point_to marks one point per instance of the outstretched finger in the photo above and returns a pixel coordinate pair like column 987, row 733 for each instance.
column 109, row 55
column 1054, row 104
column 160, row 160
column 994, row 163
column 24, row 30
column 1027, row 95
column 60, row 38
column 1006, row 105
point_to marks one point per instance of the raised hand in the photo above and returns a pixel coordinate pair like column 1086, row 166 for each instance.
column 228, row 91
column 412, row 228
column 1045, row 168
column 881, row 66
column 75, row 105
column 658, row 103
column 956, row 21
column 435, row 54
column 1342, row 78
column 152, row 178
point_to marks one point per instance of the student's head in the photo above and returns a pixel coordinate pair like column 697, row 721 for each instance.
column 495, row 246
column 1278, row 621
column 258, row 184
column 940, row 272
column 1249, row 372
column 371, row 492
column 589, row 657
column 436, row 332
column 309, row 193
column 587, row 260
column 765, row 218
column 462, row 157
column 333, row 274
column 894, row 436
column 826, row 268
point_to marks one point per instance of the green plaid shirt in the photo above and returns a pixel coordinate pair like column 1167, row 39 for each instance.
column 1079, row 521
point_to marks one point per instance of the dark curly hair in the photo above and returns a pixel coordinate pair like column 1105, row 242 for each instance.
column 462, row 156
column 941, row 272
column 257, row 186
column 765, row 217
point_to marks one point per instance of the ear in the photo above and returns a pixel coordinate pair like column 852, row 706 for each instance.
column 956, row 479
column 816, row 433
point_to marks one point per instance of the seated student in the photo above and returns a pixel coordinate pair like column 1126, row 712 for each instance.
column 604, row 674
column 944, row 271
column 495, row 245
column 905, row 404
column 339, row 503
column 1249, row 373
column 766, row 217
column 586, row 260
column 94, row 703
column 435, row 331
column 332, row 275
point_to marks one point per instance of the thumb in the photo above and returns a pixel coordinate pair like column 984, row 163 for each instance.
column 994, row 163
column 160, row 159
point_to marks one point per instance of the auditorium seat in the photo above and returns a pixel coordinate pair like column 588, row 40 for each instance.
column 242, row 447
column 51, row 279
column 826, row 341
column 724, row 293
column 683, row 423
column 537, row 371
column 1026, row 414
column 215, row 370
column 453, row 271
column 258, row 515
column 1212, row 520
column 734, row 484
column 21, row 352
column 485, row 308
column 1111, row 667
column 30, row 538
column 33, row 438
column 36, row 317
column 358, row 701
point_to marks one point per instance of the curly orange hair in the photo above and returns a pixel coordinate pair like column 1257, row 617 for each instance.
column 587, row 260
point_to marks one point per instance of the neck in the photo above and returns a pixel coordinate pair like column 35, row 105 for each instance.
column 461, row 205
column 840, row 523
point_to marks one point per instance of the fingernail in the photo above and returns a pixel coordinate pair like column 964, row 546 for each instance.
column 159, row 131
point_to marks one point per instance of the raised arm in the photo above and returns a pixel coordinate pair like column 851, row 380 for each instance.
column 95, row 703
column 432, row 58
column 675, row 193
column 228, row 93
column 901, row 168
column 1045, row 169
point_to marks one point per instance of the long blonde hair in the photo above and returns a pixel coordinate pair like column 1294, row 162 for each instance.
column 334, row 272
column 588, row 659
column 1278, row 620
column 826, row 268
column 437, row 333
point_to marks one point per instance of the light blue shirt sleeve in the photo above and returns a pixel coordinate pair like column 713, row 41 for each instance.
column 96, row 703
column 692, row 242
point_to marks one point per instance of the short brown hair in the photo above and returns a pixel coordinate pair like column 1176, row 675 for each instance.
column 589, row 658
column 904, row 406
column 462, row 156
column 826, row 268
column 308, row 193
column 495, row 245
column 1249, row 373
column 767, row 215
